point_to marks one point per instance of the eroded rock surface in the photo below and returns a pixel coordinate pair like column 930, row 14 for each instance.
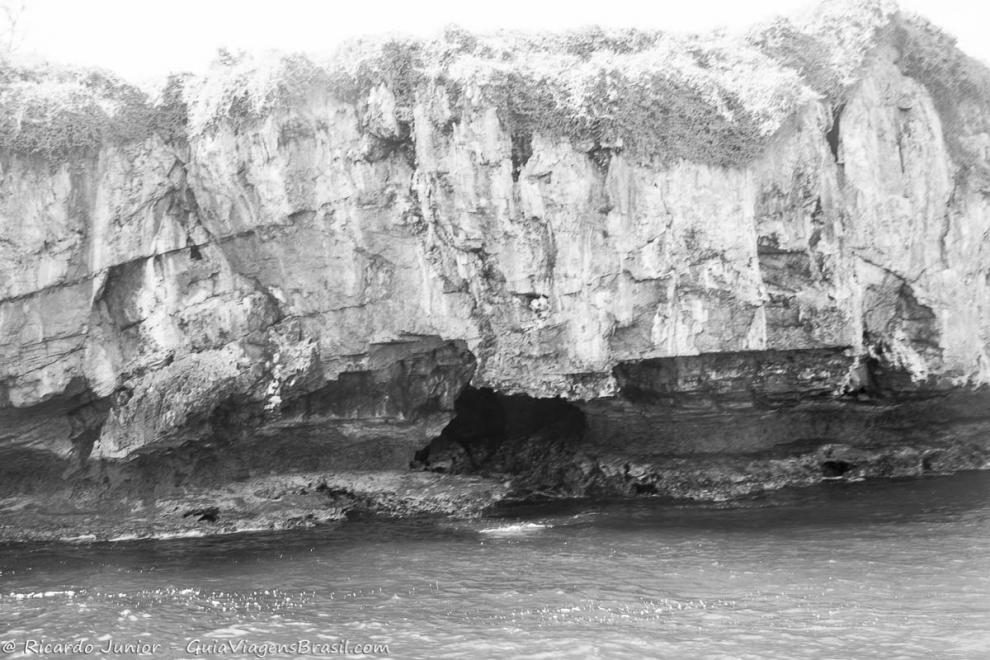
column 313, row 286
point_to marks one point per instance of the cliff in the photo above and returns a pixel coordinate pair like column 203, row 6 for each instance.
column 629, row 262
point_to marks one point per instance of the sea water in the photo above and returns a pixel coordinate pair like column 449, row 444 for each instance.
column 877, row 569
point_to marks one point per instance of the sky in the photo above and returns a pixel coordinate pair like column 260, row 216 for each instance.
column 144, row 39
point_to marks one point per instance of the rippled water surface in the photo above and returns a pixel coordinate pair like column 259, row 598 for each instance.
column 867, row 570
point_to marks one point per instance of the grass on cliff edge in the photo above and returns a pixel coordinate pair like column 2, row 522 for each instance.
column 714, row 99
column 57, row 111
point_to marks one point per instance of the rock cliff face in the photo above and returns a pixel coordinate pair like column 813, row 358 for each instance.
column 723, row 267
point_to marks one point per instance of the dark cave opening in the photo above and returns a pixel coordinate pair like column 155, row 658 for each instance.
column 496, row 433
column 835, row 469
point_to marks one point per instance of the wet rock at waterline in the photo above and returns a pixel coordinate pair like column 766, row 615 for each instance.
column 614, row 271
column 711, row 427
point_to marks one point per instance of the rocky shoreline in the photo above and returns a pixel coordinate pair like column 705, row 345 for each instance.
column 259, row 504
column 501, row 450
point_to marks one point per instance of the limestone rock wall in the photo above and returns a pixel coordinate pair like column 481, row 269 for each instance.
column 350, row 267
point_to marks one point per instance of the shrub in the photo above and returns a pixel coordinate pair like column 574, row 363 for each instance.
column 956, row 81
column 242, row 88
column 171, row 114
column 398, row 63
column 828, row 45
column 55, row 112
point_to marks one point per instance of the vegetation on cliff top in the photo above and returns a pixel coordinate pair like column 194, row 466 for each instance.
column 57, row 111
column 714, row 99
column 959, row 86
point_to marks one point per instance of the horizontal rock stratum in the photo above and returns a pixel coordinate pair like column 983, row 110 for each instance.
column 631, row 262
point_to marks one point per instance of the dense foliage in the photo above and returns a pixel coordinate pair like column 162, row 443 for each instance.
column 55, row 112
column 655, row 96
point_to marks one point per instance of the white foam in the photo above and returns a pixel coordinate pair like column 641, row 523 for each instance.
column 516, row 529
column 186, row 534
column 83, row 538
